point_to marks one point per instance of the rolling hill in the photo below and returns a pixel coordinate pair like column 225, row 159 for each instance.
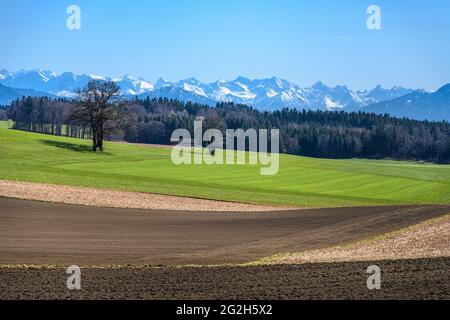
column 302, row 182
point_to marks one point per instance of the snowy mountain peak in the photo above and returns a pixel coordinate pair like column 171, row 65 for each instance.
column 280, row 83
column 4, row 73
column 96, row 77
column 161, row 83
column 445, row 90
column 239, row 79
column 418, row 104
column 130, row 85
column 264, row 94
column 320, row 86
column 190, row 81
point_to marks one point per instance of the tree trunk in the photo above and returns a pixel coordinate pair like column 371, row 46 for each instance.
column 94, row 140
column 100, row 141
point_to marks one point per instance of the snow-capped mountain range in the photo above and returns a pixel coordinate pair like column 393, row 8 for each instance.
column 420, row 105
column 266, row 94
column 65, row 84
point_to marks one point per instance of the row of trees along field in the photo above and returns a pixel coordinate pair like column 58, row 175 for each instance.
column 44, row 115
column 309, row 133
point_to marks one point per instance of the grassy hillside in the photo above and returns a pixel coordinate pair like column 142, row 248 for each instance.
column 301, row 182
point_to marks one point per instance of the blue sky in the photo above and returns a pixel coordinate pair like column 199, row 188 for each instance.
column 302, row 41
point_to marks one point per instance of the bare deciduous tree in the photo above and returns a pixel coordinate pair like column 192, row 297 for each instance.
column 99, row 107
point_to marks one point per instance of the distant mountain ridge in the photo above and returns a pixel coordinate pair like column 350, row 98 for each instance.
column 273, row 93
column 263, row 94
column 65, row 84
column 10, row 94
column 421, row 105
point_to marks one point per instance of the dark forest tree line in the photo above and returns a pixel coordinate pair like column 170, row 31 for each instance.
column 44, row 115
column 309, row 133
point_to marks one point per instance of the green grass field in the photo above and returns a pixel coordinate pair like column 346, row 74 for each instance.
column 301, row 181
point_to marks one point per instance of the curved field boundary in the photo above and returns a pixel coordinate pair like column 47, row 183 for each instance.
column 118, row 199
column 429, row 239
column 45, row 233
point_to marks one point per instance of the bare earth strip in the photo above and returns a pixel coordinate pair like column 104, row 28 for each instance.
column 41, row 233
column 430, row 239
column 119, row 199
column 401, row 279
